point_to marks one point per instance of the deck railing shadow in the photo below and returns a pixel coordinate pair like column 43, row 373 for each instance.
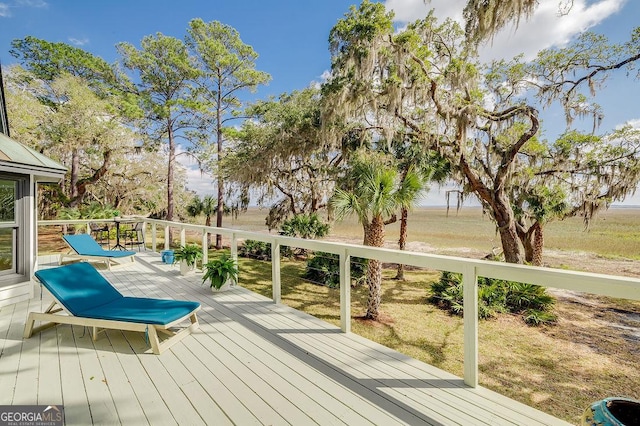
column 324, row 365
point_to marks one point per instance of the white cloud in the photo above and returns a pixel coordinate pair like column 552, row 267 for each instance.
column 78, row 41
column 411, row 10
column 546, row 28
column 201, row 184
column 324, row 77
column 634, row 123
column 32, row 3
column 5, row 10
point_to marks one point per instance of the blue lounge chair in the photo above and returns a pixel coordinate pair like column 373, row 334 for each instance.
column 82, row 296
column 84, row 247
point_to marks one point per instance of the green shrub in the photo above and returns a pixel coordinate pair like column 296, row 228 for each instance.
column 495, row 297
column 305, row 226
column 324, row 269
column 255, row 250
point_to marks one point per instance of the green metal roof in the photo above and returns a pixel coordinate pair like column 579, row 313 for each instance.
column 13, row 153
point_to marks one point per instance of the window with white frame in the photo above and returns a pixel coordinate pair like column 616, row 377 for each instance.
column 9, row 225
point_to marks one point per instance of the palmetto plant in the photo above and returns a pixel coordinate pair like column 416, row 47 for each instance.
column 375, row 194
column 207, row 206
column 496, row 296
column 305, row 226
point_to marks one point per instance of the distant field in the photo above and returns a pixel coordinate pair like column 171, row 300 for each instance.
column 614, row 233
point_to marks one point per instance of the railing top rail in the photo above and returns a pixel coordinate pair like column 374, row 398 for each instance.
column 601, row 284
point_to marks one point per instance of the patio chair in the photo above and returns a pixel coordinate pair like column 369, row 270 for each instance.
column 82, row 296
column 134, row 236
column 84, row 247
column 100, row 233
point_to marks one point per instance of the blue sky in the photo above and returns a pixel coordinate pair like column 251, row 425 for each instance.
column 291, row 38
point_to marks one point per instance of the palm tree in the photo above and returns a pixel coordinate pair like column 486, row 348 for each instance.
column 432, row 167
column 207, row 206
column 375, row 196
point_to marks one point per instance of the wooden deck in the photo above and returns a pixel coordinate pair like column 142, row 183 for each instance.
column 251, row 362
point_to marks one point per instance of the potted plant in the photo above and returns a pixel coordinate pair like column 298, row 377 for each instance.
column 221, row 273
column 187, row 256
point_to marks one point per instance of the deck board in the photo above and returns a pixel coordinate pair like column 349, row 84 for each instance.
column 102, row 402
column 313, row 383
column 26, row 384
column 251, row 362
column 232, row 407
column 49, row 383
column 155, row 410
column 74, row 395
column 361, row 368
column 127, row 405
column 10, row 356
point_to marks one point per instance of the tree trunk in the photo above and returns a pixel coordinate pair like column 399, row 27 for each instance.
column 402, row 242
column 172, row 158
column 510, row 243
column 374, row 236
column 494, row 196
column 220, row 208
column 503, row 214
column 538, row 244
column 533, row 243
column 527, row 243
column 207, row 222
column 496, row 201
column 73, row 184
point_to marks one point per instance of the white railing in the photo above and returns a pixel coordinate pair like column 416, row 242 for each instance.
column 605, row 285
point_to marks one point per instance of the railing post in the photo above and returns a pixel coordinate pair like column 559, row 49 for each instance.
column 153, row 237
column 88, row 229
column 234, row 247
column 183, row 236
column 144, row 234
column 345, row 292
column 275, row 270
column 470, row 306
column 205, row 247
column 167, row 243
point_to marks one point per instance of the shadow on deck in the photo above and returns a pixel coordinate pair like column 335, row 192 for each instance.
column 251, row 362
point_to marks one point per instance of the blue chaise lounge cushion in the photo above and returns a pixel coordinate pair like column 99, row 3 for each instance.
column 84, row 292
column 85, row 245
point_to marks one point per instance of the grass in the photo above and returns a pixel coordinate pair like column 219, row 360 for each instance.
column 559, row 369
